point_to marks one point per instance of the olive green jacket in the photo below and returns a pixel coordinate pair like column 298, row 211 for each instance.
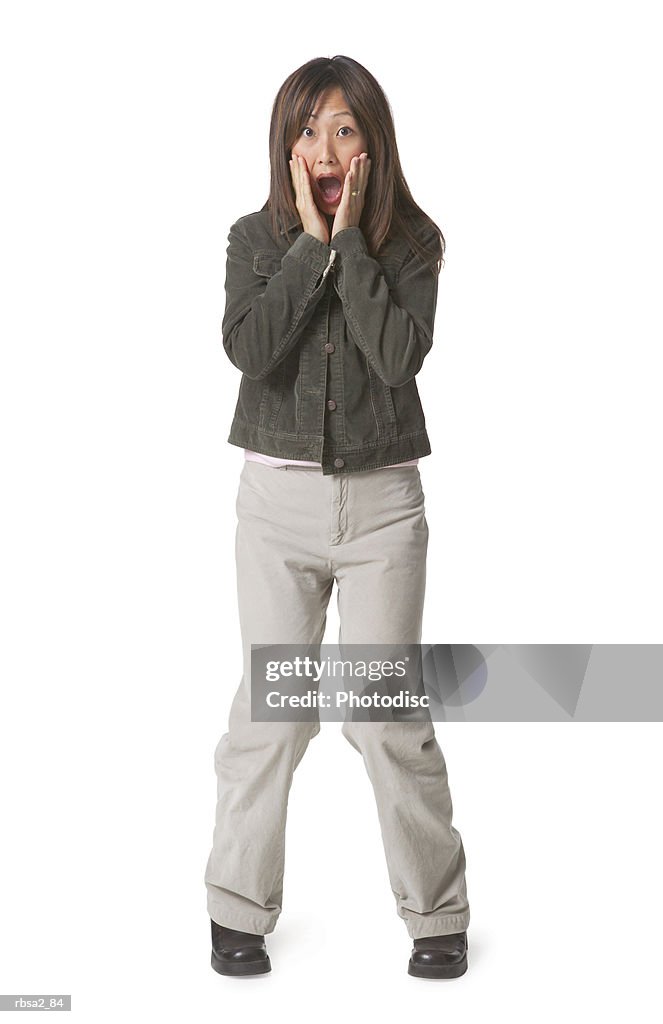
column 329, row 342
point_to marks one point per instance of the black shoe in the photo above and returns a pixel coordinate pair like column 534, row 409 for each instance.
column 440, row 956
column 238, row 953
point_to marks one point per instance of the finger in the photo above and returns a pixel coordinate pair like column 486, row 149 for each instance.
column 356, row 180
column 300, row 179
column 363, row 172
column 293, row 175
column 305, row 182
column 347, row 188
column 366, row 169
column 301, row 199
column 305, row 179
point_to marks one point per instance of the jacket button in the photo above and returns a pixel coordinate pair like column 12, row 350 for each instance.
column 331, row 404
column 339, row 462
column 329, row 347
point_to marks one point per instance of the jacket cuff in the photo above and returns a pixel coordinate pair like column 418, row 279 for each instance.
column 350, row 242
column 309, row 250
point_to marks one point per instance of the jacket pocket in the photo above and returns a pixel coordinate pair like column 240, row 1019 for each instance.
column 272, row 397
column 266, row 264
column 382, row 405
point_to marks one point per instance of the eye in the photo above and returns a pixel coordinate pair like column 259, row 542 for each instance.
column 345, row 128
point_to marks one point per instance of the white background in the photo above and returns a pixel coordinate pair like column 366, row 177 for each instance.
column 133, row 135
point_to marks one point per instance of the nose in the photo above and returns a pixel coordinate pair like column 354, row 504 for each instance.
column 326, row 153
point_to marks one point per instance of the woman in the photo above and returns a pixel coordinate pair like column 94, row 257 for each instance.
column 329, row 331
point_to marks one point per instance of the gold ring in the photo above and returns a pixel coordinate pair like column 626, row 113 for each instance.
column 355, row 192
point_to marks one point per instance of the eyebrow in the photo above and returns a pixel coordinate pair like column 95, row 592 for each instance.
column 341, row 113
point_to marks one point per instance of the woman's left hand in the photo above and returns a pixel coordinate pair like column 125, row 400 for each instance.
column 350, row 208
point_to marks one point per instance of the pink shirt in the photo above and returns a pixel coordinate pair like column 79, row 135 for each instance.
column 270, row 460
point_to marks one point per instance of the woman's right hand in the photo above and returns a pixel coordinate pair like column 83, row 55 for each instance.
column 313, row 221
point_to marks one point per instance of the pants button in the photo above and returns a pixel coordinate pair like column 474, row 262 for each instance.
column 339, row 463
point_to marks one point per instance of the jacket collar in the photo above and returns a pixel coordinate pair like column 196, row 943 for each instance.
column 292, row 222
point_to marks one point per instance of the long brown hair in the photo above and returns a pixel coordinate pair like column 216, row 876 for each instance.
column 389, row 210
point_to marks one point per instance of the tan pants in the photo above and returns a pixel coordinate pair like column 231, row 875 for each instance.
column 297, row 532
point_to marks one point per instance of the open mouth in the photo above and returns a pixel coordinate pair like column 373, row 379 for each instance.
column 330, row 188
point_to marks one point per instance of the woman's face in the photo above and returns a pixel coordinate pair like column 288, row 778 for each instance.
column 328, row 142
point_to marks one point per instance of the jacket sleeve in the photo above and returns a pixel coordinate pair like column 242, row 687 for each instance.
column 265, row 316
column 393, row 328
